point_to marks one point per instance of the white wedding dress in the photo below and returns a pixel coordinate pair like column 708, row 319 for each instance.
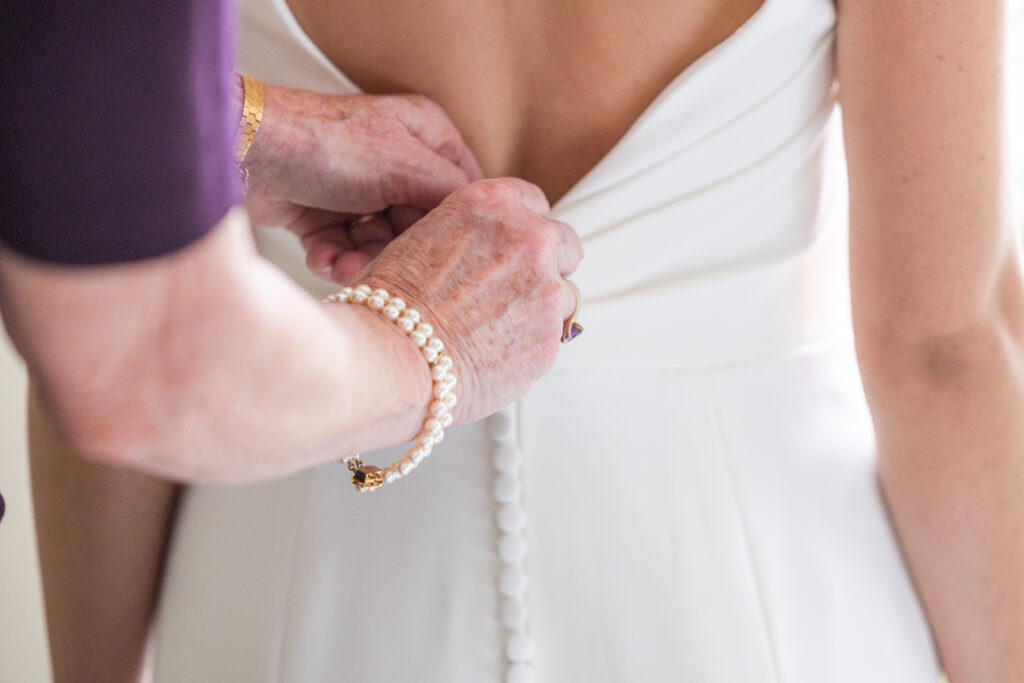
column 695, row 475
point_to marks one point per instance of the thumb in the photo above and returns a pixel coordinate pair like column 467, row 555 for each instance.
column 427, row 121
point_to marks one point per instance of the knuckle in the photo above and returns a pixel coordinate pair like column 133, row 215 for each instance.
column 415, row 99
column 534, row 241
column 423, row 103
column 491, row 192
column 391, row 102
column 524, row 248
column 546, row 235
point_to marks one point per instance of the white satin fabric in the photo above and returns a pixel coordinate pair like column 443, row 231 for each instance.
column 698, row 467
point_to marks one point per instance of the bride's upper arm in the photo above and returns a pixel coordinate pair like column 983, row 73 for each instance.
column 933, row 251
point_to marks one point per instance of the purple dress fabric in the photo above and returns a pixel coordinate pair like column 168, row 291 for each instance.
column 116, row 127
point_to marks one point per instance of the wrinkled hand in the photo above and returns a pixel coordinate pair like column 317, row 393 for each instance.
column 339, row 245
column 319, row 161
column 486, row 269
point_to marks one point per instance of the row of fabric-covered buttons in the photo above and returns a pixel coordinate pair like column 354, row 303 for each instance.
column 511, row 519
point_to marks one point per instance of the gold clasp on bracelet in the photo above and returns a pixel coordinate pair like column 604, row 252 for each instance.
column 365, row 477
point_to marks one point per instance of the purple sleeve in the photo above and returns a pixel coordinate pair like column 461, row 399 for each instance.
column 116, row 126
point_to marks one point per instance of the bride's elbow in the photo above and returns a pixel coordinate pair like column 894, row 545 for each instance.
column 952, row 350
column 969, row 359
column 950, row 364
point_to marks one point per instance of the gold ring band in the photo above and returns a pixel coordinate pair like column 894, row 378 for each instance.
column 365, row 218
column 570, row 328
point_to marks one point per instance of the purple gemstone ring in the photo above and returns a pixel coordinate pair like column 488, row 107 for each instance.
column 570, row 328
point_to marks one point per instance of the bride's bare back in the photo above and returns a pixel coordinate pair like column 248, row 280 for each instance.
column 540, row 89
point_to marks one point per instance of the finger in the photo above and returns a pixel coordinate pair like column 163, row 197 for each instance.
column 324, row 247
column 375, row 229
column 529, row 194
column 402, row 217
column 569, row 251
column 428, row 121
column 321, row 257
column 312, row 221
column 458, row 152
column 466, row 160
column 348, row 265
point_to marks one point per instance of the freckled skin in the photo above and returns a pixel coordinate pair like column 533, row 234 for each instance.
column 540, row 89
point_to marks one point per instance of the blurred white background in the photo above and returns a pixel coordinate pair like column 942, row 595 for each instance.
column 23, row 656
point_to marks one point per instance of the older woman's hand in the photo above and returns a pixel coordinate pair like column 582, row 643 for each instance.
column 320, row 158
column 486, row 268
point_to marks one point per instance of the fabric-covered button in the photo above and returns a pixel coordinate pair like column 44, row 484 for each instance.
column 511, row 547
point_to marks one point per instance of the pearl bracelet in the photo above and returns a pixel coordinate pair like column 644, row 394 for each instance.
column 408, row 320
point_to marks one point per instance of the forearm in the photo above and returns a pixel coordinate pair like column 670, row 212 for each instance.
column 102, row 534
column 209, row 365
column 212, row 367
column 949, row 416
